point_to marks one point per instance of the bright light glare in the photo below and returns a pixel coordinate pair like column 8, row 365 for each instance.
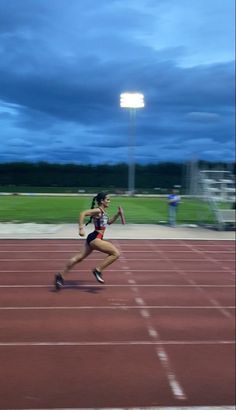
column 132, row 100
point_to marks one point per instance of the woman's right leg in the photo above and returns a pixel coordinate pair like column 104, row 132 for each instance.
column 112, row 255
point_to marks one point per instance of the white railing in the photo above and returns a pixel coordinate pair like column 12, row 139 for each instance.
column 218, row 188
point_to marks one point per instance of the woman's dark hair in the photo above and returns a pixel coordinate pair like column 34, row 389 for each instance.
column 98, row 198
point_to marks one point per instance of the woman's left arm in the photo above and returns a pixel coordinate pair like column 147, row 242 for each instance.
column 113, row 218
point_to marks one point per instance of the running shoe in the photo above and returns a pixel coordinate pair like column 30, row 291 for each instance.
column 98, row 276
column 59, row 281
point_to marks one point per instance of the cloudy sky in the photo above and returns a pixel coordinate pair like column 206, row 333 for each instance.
column 64, row 63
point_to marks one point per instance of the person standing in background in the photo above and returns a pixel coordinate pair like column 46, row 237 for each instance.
column 173, row 203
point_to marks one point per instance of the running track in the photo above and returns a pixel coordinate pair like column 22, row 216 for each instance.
column 159, row 333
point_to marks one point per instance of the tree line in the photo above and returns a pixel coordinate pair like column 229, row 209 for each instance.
column 150, row 176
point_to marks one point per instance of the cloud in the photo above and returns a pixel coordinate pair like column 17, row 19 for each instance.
column 203, row 116
column 63, row 66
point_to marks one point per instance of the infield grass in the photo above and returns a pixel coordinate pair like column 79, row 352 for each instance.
column 66, row 209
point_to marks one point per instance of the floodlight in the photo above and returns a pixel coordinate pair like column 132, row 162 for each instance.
column 132, row 100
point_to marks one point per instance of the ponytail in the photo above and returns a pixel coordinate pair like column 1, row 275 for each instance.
column 92, row 206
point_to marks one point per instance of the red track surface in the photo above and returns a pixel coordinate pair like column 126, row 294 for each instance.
column 160, row 332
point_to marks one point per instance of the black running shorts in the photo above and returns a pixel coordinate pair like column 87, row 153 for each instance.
column 93, row 235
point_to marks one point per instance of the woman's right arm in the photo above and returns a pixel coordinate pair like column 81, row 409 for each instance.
column 83, row 214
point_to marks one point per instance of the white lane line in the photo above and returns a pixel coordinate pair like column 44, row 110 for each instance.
column 204, row 252
column 37, row 251
column 99, row 259
column 174, row 385
column 223, row 310
column 141, row 408
column 131, row 283
column 211, row 300
column 139, row 301
column 210, row 258
column 199, row 288
column 203, row 292
column 135, row 289
column 227, row 269
column 144, row 313
column 213, row 271
column 187, row 307
column 152, row 332
column 185, row 251
column 124, row 343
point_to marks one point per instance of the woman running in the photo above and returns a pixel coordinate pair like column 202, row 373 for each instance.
column 94, row 240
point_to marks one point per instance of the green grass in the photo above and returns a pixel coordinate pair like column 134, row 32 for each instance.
column 60, row 209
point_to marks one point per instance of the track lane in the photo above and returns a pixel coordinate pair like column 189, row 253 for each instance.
column 112, row 332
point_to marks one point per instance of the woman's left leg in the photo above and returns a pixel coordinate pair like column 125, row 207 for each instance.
column 77, row 258
column 59, row 278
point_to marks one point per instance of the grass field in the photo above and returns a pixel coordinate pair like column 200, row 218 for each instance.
column 66, row 209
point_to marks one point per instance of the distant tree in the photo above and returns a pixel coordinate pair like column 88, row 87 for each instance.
column 43, row 174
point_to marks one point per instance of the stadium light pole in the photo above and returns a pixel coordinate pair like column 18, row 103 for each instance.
column 132, row 101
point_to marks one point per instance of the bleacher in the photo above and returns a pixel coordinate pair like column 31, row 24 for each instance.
column 218, row 188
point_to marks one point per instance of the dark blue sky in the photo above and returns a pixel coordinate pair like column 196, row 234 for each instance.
column 64, row 63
